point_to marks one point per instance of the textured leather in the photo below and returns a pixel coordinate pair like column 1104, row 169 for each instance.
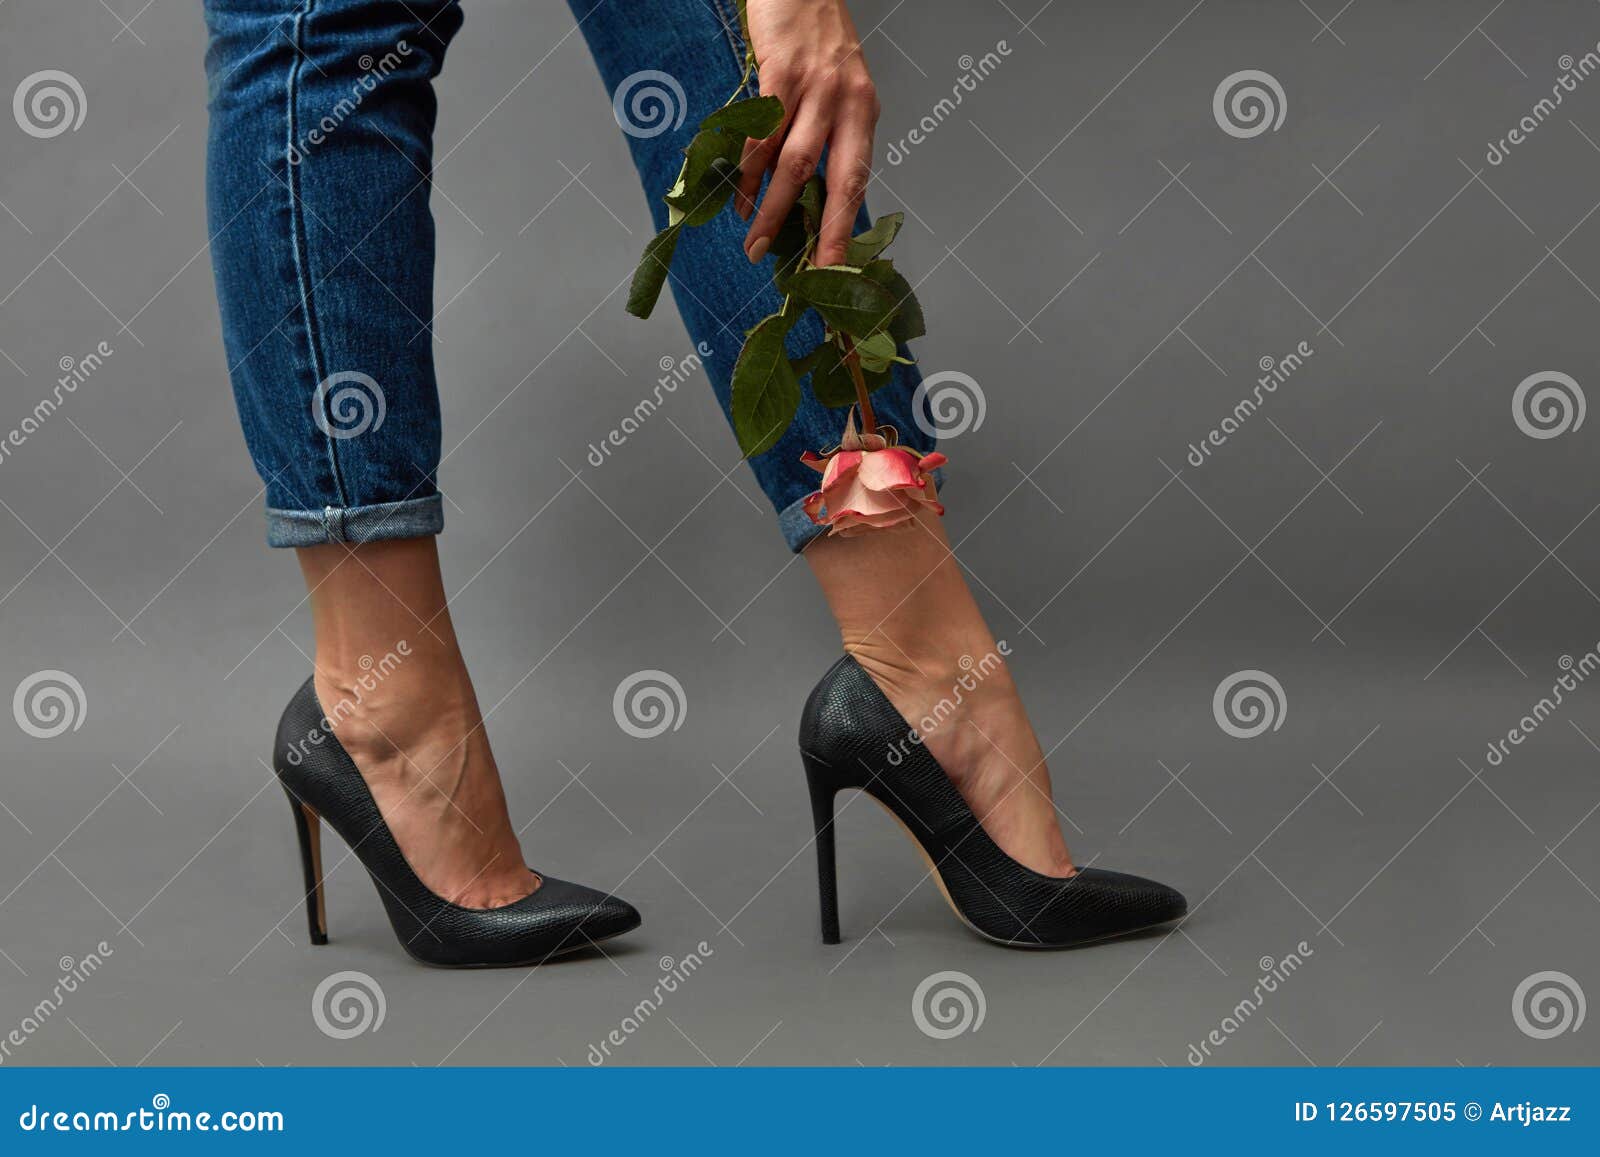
column 851, row 736
column 556, row 917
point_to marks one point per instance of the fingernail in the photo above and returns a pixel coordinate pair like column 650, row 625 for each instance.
column 758, row 249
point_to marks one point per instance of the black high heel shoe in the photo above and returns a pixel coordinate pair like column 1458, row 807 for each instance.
column 851, row 736
column 323, row 785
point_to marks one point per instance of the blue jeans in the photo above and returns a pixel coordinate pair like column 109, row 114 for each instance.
column 321, row 142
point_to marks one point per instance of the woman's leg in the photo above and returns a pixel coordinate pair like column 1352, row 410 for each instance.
column 317, row 186
column 907, row 615
column 693, row 48
column 903, row 607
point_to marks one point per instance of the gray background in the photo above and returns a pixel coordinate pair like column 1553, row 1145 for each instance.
column 1382, row 538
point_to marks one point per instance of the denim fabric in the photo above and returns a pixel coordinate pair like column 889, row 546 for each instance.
column 321, row 141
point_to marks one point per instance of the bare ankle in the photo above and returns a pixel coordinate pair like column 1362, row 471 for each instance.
column 949, row 668
column 379, row 713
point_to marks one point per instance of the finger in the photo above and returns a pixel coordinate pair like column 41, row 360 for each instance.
column 759, row 155
column 753, row 166
column 849, row 172
column 796, row 163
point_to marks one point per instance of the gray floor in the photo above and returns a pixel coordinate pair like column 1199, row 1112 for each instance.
column 1382, row 538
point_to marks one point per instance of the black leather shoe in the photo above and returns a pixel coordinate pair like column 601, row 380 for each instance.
column 851, row 736
column 323, row 785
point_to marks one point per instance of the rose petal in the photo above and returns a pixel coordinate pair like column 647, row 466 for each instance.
column 889, row 470
column 842, row 464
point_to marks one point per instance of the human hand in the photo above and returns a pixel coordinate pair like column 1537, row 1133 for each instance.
column 808, row 55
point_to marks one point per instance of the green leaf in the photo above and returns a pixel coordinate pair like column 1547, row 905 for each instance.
column 866, row 245
column 846, row 298
column 876, row 352
column 789, row 247
column 706, row 180
column 651, row 274
column 766, row 392
column 908, row 323
column 830, row 378
column 803, row 366
column 810, row 201
column 758, row 117
column 831, row 381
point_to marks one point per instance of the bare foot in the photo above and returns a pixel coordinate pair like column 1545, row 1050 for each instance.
column 428, row 765
column 905, row 613
column 981, row 736
column 415, row 734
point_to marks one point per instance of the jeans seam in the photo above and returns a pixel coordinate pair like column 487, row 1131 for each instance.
column 300, row 244
column 732, row 32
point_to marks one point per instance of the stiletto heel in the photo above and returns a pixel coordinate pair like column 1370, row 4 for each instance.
column 822, row 791
column 324, row 786
column 851, row 736
column 309, row 828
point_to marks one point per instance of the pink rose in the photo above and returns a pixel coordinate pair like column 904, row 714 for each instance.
column 868, row 484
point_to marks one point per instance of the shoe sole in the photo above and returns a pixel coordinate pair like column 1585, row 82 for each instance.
column 532, row 962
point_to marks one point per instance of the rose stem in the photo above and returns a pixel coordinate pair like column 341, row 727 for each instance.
column 869, row 424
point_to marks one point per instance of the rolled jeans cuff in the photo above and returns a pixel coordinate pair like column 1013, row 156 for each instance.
column 413, row 518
